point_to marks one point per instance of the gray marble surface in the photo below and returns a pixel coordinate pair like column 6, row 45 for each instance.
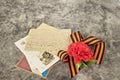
column 99, row 18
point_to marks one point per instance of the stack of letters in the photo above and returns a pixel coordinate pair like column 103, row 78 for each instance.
column 40, row 48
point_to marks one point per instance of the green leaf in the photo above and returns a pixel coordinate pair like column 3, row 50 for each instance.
column 91, row 62
column 81, row 65
column 84, row 64
column 78, row 65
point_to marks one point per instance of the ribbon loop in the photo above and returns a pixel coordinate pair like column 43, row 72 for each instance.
column 91, row 40
column 76, row 36
column 63, row 55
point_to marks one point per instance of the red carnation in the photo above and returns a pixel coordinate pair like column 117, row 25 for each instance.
column 80, row 52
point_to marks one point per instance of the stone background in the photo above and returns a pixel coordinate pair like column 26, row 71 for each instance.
column 99, row 18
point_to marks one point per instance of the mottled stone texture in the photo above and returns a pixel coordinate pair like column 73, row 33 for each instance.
column 99, row 18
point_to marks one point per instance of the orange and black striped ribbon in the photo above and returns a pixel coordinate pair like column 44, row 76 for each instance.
column 91, row 41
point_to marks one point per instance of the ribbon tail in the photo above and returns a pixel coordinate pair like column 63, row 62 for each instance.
column 72, row 67
column 99, row 52
column 76, row 36
column 99, row 47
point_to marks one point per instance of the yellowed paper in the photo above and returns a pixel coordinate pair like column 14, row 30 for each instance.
column 46, row 26
column 47, row 38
